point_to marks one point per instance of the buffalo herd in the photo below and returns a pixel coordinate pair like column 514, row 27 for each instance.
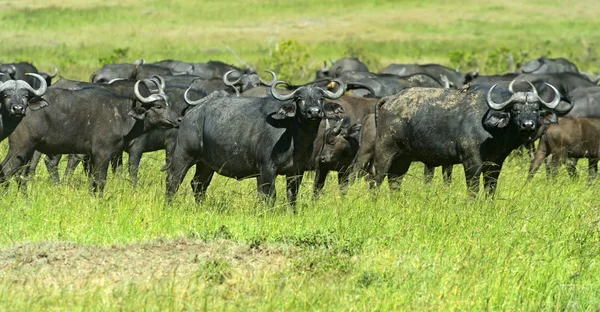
column 220, row 118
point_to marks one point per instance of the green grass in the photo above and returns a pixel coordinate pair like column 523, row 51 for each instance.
column 425, row 247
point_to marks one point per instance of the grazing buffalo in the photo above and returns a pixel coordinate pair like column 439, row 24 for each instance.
column 340, row 66
column 336, row 143
column 16, row 97
column 445, row 127
column 545, row 65
column 570, row 138
column 91, row 121
column 18, row 71
column 456, row 78
column 243, row 137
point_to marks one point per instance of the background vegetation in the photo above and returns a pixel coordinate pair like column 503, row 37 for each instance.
column 426, row 247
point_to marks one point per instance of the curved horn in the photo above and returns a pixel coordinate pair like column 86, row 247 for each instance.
column 492, row 104
column 150, row 99
column 354, row 85
column 161, row 85
column 338, row 127
column 457, row 68
column 282, row 97
column 116, row 79
column 43, row 85
column 554, row 103
column 272, row 81
column 510, row 86
column 226, row 78
column 55, row 72
column 187, row 100
column 336, row 95
column 331, row 61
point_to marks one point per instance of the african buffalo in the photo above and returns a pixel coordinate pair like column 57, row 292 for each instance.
column 336, row 143
column 18, row 71
column 243, row 137
column 340, row 66
column 544, row 65
column 571, row 138
column 92, row 121
column 456, row 78
column 445, row 127
column 17, row 97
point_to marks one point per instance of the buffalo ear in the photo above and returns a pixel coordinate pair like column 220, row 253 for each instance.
column 354, row 131
column 37, row 105
column 550, row 118
column 494, row 119
column 138, row 113
column 333, row 110
column 286, row 110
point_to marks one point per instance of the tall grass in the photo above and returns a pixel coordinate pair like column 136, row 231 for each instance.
column 426, row 247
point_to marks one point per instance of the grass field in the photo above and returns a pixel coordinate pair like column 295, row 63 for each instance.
column 426, row 247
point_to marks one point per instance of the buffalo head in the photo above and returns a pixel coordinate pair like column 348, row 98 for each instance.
column 307, row 101
column 340, row 141
column 247, row 81
column 154, row 109
column 16, row 94
column 525, row 110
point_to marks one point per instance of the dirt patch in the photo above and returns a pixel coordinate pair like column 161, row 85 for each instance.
column 63, row 262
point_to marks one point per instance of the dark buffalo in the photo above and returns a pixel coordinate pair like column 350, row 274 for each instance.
column 445, row 127
column 17, row 97
column 491, row 79
column 18, row 71
column 208, row 70
column 570, row 138
column 564, row 82
column 111, row 72
column 246, row 82
column 456, row 78
column 336, row 143
column 340, row 66
column 545, row 65
column 91, row 121
column 363, row 161
column 385, row 84
column 242, row 137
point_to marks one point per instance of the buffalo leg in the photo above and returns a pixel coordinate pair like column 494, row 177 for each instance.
column 292, row 187
column 491, row 172
column 447, row 174
column 343, row 180
column 201, row 180
column 52, row 162
column 182, row 162
column 472, row 169
column 320, row 177
column 382, row 163
column 135, row 156
column 265, row 183
column 571, row 165
column 116, row 162
column 428, row 173
column 99, row 170
column 14, row 162
column 592, row 168
column 72, row 161
column 540, row 154
column 35, row 160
